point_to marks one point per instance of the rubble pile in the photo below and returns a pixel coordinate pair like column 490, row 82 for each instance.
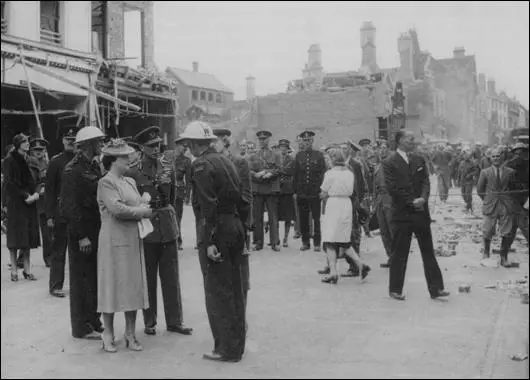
column 516, row 288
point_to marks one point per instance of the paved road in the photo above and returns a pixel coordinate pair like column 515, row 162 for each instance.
column 298, row 327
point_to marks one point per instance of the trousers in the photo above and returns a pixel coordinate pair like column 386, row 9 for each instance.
column 163, row 257
column 58, row 257
column 179, row 210
column 467, row 194
column 261, row 201
column 307, row 207
column 46, row 234
column 226, row 287
column 83, row 275
column 384, row 217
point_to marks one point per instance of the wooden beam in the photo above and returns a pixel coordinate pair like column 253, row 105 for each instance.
column 83, row 87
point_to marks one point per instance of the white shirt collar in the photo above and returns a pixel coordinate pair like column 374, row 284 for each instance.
column 403, row 154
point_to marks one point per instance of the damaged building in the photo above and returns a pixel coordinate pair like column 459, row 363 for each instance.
column 65, row 63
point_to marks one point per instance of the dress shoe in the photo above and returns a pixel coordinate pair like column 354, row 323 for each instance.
column 330, row 279
column 397, row 296
column 257, row 247
column 276, row 248
column 365, row 271
column 297, row 235
column 285, row 244
column 305, row 247
column 384, row 265
column 183, row 330
column 440, row 294
column 326, row 270
column 94, row 335
column 59, row 293
column 150, row 330
column 220, row 358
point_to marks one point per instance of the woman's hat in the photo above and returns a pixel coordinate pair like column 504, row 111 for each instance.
column 117, row 147
column 19, row 139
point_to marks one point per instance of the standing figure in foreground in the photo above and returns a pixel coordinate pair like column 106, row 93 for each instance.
column 407, row 181
column 221, row 211
column 38, row 164
column 22, row 216
column 156, row 176
column 122, row 283
column 55, row 221
column 80, row 208
column 309, row 169
column 496, row 186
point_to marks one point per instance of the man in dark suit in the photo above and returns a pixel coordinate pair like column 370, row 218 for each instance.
column 407, row 181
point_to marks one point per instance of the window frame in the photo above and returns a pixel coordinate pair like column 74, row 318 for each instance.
column 53, row 36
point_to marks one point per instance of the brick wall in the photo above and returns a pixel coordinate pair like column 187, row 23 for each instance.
column 115, row 26
column 334, row 117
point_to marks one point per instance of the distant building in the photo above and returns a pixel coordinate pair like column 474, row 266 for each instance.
column 201, row 95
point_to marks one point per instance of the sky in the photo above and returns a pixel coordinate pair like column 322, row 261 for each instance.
column 270, row 39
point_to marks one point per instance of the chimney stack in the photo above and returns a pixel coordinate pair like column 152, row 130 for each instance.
column 482, row 83
column 195, row 65
column 251, row 87
column 491, row 87
column 459, row 52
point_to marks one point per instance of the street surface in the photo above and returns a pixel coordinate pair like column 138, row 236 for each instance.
column 298, row 327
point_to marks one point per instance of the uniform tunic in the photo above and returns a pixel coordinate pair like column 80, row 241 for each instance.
column 39, row 168
column 218, row 206
column 182, row 188
column 286, row 212
column 122, row 282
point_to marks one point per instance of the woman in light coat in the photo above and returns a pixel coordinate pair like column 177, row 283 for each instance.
column 122, row 284
column 337, row 189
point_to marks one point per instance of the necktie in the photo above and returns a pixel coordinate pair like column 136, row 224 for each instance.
column 498, row 176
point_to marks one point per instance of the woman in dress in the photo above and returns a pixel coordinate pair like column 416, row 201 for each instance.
column 22, row 216
column 122, row 284
column 336, row 190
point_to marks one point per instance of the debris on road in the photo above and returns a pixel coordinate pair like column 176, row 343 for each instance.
column 465, row 288
column 519, row 357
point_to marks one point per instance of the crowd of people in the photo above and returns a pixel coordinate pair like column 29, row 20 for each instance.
column 116, row 206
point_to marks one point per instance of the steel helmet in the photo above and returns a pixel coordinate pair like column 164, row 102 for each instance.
column 198, row 130
column 88, row 133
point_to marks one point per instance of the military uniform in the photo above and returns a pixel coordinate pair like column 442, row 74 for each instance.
column 157, row 177
column 265, row 192
column 182, row 189
column 286, row 209
column 79, row 206
column 221, row 211
column 310, row 167
column 468, row 176
column 383, row 209
column 59, row 233
column 39, row 168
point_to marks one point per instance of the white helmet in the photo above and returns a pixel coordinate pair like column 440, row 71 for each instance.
column 88, row 133
column 198, row 130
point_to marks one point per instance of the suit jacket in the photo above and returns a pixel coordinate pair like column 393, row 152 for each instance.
column 359, row 187
column 405, row 183
column 494, row 194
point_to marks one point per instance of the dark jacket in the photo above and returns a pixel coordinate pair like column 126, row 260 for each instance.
column 405, row 183
column 381, row 196
column 468, row 171
column 182, row 177
column 22, row 219
column 216, row 191
column 53, row 185
column 39, row 170
column 269, row 161
column 286, row 174
column 309, row 170
column 359, row 187
column 78, row 201
column 520, row 165
column 495, row 194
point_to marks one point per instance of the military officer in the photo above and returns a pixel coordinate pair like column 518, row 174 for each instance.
column 182, row 183
column 38, row 164
column 57, row 223
column 221, row 211
column 265, row 175
column 286, row 211
column 156, row 176
column 309, row 169
column 78, row 204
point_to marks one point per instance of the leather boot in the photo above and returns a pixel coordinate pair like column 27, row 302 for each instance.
column 487, row 249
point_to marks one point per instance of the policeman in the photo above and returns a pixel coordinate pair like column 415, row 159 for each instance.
column 182, row 183
column 243, row 170
column 220, row 210
column 310, row 166
column 56, row 223
column 156, row 176
column 265, row 175
column 38, row 165
column 79, row 205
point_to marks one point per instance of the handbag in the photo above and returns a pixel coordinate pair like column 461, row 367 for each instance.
column 145, row 227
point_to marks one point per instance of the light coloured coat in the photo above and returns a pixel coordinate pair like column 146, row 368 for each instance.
column 496, row 195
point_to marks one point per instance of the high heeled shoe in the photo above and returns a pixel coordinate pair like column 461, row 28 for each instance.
column 330, row 279
column 132, row 344
column 29, row 276
column 111, row 347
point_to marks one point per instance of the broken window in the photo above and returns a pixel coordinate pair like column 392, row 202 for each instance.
column 4, row 18
column 99, row 25
column 218, row 98
column 132, row 37
column 50, row 19
column 203, row 95
column 194, row 95
column 210, row 97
